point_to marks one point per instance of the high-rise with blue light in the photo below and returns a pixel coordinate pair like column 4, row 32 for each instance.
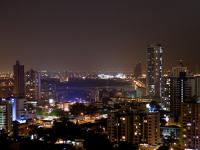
column 19, row 90
column 13, row 104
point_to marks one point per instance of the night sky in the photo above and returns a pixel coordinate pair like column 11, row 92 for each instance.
column 97, row 34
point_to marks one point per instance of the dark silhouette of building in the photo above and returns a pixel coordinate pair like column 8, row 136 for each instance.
column 19, row 91
column 180, row 89
column 190, row 122
column 138, row 70
column 19, row 86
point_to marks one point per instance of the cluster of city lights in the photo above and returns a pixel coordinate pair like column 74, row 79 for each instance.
column 107, row 76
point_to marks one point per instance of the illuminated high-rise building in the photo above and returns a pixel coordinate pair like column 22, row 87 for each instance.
column 190, row 122
column 48, row 89
column 124, row 127
column 6, row 87
column 32, row 85
column 196, row 85
column 165, row 100
column 154, row 70
column 180, row 89
column 6, row 116
column 136, row 127
column 19, row 91
column 150, row 128
column 19, row 86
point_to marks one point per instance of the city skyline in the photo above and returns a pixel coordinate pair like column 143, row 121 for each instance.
column 97, row 36
column 93, row 75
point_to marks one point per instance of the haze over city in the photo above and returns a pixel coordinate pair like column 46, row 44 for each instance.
column 97, row 35
column 99, row 75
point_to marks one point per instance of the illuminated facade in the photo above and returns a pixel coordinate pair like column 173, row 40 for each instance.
column 190, row 122
column 12, row 101
column 154, row 70
column 171, row 131
column 5, row 116
column 6, row 87
column 197, row 85
column 124, row 127
column 48, row 89
column 180, row 89
column 165, row 100
column 151, row 128
column 33, row 85
column 135, row 127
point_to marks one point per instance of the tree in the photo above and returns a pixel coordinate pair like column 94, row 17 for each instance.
column 57, row 112
column 41, row 111
column 78, row 108
column 97, row 142
column 127, row 146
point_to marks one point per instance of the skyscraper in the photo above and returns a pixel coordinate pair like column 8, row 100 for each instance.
column 136, row 126
column 190, row 122
column 124, row 126
column 151, row 128
column 33, row 85
column 180, row 89
column 196, row 85
column 165, row 100
column 19, row 91
column 154, row 70
column 19, row 85
column 5, row 116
